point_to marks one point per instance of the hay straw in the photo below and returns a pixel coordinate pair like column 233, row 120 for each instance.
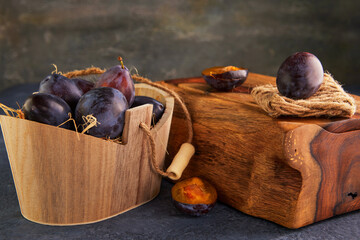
column 11, row 111
column 89, row 122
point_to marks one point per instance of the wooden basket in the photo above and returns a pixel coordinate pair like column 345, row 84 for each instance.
column 66, row 178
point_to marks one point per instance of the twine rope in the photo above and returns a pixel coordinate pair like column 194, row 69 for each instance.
column 146, row 129
column 84, row 72
column 330, row 100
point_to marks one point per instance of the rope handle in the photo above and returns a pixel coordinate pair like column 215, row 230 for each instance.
column 186, row 151
column 180, row 161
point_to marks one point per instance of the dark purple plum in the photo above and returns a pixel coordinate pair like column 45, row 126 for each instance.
column 83, row 84
column 108, row 106
column 62, row 87
column 158, row 107
column 225, row 78
column 48, row 109
column 300, row 76
column 118, row 77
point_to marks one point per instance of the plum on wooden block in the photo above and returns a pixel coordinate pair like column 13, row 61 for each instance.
column 68, row 89
column 48, row 109
column 300, row 76
column 158, row 107
column 225, row 78
column 119, row 77
column 194, row 196
column 108, row 106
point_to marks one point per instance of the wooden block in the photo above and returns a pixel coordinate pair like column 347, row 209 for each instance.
column 290, row 171
column 66, row 178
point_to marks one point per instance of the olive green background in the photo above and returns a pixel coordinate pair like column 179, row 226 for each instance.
column 174, row 39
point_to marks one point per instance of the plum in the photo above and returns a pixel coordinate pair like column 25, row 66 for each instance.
column 108, row 106
column 225, row 78
column 83, row 85
column 300, row 76
column 48, row 109
column 158, row 107
column 68, row 89
column 194, row 196
column 119, row 77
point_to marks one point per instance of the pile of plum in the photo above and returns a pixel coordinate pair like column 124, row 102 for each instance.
column 107, row 100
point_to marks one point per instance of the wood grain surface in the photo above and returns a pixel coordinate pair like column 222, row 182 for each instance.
column 66, row 178
column 249, row 156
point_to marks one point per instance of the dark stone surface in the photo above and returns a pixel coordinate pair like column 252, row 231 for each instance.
column 173, row 39
column 157, row 219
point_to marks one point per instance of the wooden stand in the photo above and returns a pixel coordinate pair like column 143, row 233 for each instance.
column 65, row 178
column 290, row 171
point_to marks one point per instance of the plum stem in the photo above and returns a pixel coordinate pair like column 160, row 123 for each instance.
column 121, row 62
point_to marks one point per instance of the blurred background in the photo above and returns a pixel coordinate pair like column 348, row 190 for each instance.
column 175, row 39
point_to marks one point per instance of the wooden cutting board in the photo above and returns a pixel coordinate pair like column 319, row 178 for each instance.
column 290, row 171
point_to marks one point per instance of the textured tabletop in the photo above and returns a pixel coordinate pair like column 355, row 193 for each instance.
column 157, row 219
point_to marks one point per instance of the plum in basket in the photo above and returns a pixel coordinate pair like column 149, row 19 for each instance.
column 108, row 106
column 119, row 77
column 158, row 107
column 68, row 89
column 48, row 109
